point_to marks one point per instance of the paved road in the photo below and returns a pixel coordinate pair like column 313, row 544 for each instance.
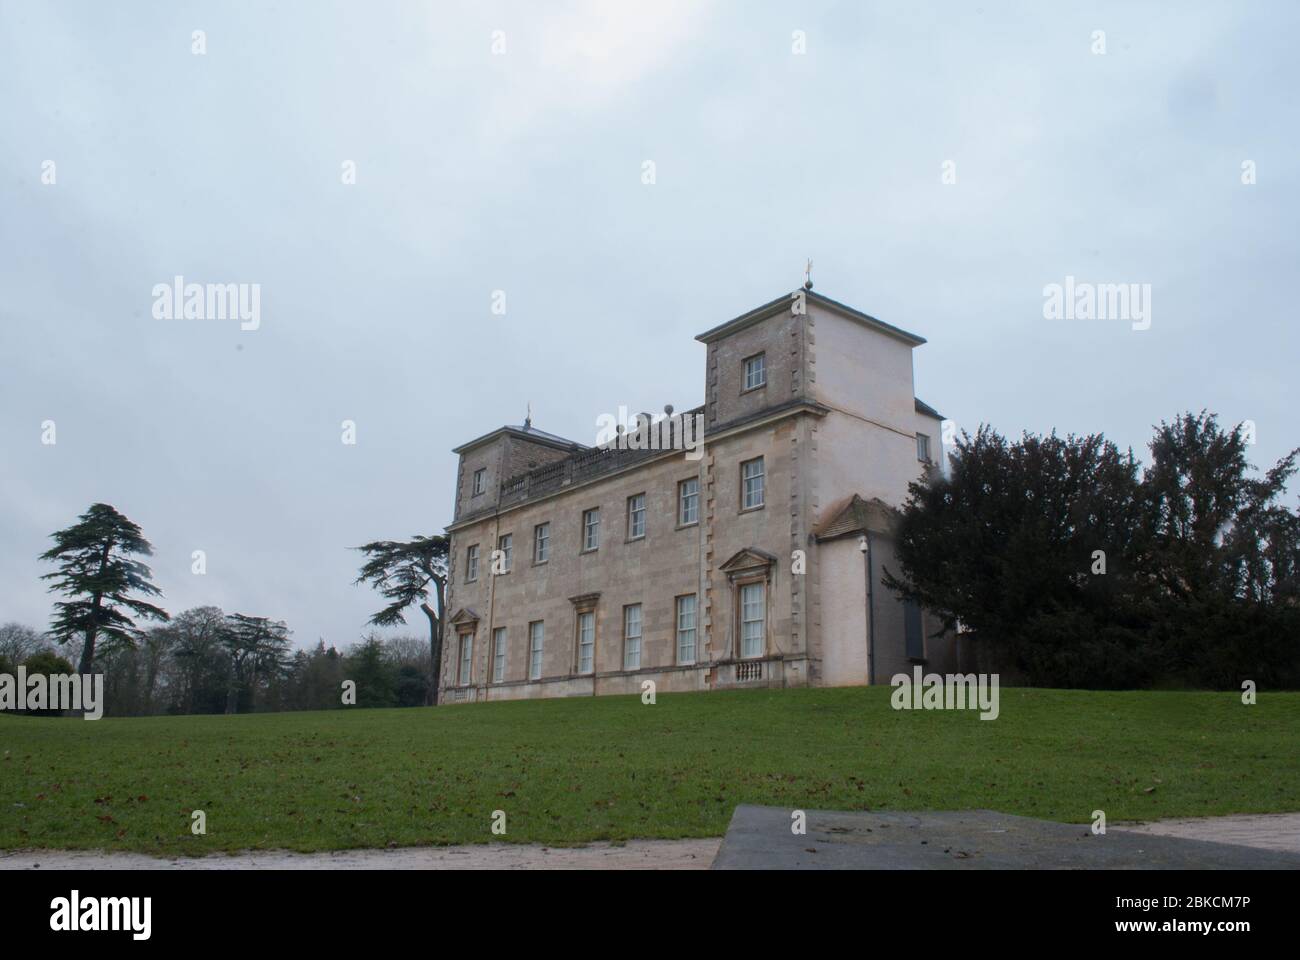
column 762, row 838
column 1268, row 831
column 633, row 855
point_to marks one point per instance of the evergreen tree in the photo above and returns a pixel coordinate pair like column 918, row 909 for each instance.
column 96, row 569
column 1078, row 572
column 403, row 571
column 375, row 676
column 1222, row 556
column 50, row 664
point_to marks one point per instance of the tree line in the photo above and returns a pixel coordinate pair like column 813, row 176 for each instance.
column 204, row 661
column 207, row 661
column 1068, row 562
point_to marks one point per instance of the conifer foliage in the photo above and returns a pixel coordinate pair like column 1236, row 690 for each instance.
column 103, row 581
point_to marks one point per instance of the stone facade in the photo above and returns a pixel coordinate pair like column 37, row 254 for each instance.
column 735, row 588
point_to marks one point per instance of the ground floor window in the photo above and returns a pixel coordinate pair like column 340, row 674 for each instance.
column 498, row 654
column 632, row 637
column 686, row 629
column 466, row 657
column 586, row 642
column 913, row 636
column 536, row 636
column 753, row 616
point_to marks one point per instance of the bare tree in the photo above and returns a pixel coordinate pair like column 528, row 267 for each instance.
column 18, row 642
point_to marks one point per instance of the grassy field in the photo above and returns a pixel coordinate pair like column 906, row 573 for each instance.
column 567, row 771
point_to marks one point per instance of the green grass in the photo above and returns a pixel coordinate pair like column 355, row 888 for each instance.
column 568, row 771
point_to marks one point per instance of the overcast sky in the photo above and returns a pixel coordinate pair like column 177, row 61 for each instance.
column 523, row 172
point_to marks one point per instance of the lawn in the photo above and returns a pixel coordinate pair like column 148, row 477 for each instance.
column 567, row 771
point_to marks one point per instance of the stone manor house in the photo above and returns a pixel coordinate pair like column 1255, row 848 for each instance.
column 757, row 564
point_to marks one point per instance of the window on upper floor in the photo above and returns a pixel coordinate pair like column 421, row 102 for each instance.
column 755, row 371
column 688, row 502
column 751, row 484
column 636, row 517
column 591, row 529
column 541, row 543
column 480, row 481
column 923, row 448
column 506, row 548
column 471, row 563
